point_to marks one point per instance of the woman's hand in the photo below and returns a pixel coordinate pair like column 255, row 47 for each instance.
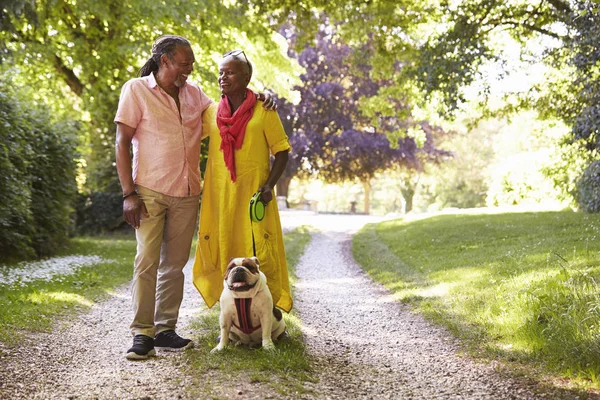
column 266, row 193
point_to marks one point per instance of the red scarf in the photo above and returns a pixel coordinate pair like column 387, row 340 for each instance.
column 233, row 127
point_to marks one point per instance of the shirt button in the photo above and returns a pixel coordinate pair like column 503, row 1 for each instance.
column 206, row 237
column 266, row 236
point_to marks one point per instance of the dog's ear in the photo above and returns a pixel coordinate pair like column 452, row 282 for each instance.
column 230, row 266
column 255, row 261
column 251, row 264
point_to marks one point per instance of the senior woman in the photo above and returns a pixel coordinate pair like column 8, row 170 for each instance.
column 240, row 147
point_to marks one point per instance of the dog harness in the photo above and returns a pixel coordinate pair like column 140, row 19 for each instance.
column 243, row 312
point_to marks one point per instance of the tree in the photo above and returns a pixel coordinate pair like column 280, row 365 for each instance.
column 443, row 45
column 79, row 53
column 332, row 137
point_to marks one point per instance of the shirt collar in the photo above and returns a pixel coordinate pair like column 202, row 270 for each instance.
column 151, row 79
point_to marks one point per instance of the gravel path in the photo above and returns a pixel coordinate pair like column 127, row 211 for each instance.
column 370, row 347
column 85, row 358
column 365, row 346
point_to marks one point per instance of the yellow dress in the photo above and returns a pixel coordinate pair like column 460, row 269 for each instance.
column 225, row 226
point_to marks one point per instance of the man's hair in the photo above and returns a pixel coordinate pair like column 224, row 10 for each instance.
column 163, row 45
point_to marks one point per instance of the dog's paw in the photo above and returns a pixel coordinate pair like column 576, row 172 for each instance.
column 217, row 349
column 268, row 345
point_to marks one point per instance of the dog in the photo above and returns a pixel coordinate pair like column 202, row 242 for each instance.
column 247, row 313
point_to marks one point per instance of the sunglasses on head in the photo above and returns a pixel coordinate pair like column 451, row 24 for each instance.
column 237, row 53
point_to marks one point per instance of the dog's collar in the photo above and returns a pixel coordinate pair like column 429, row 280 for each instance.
column 242, row 289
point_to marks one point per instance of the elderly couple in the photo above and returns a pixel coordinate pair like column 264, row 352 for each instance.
column 164, row 118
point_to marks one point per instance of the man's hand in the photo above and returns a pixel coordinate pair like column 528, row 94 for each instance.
column 133, row 209
column 268, row 100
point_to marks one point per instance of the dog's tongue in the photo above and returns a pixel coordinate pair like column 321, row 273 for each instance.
column 238, row 284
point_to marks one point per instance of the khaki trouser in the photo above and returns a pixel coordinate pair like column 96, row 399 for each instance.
column 164, row 240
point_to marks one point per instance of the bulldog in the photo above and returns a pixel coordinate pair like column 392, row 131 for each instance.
column 247, row 313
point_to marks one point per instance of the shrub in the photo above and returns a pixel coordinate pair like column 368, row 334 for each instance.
column 588, row 189
column 37, row 160
column 15, row 214
column 100, row 212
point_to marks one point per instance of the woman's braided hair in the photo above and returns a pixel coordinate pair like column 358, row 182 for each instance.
column 163, row 45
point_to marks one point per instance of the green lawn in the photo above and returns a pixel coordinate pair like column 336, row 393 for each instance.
column 521, row 287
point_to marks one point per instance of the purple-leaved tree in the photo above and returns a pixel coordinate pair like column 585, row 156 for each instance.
column 330, row 135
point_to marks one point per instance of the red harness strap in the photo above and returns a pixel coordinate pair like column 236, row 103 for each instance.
column 243, row 312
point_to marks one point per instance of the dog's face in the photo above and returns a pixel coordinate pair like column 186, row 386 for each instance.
column 242, row 274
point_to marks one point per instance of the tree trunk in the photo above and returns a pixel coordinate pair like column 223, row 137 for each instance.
column 408, row 189
column 408, row 195
column 367, row 186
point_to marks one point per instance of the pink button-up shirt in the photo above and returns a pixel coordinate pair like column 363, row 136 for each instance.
column 166, row 146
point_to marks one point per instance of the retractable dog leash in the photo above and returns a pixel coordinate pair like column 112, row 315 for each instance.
column 257, row 211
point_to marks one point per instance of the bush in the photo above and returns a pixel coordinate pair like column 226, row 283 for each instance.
column 588, row 189
column 519, row 180
column 100, row 212
column 37, row 160
column 15, row 214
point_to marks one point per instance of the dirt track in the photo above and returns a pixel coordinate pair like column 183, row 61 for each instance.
column 364, row 345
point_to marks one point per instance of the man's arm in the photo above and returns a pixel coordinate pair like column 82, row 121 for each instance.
column 133, row 206
column 279, row 164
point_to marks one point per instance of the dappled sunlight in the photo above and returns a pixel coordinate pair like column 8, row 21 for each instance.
column 460, row 275
column 58, row 297
column 51, row 268
column 121, row 295
column 292, row 319
column 520, row 284
column 440, row 290
column 320, row 283
column 191, row 311
column 390, row 298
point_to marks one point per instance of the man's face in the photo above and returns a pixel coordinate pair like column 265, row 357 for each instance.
column 233, row 76
column 178, row 66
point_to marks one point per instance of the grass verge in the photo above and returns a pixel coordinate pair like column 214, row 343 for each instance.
column 36, row 305
column 521, row 287
column 281, row 373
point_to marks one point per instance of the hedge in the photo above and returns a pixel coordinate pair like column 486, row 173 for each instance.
column 37, row 178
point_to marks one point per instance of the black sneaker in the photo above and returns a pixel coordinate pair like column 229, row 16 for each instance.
column 170, row 341
column 143, row 347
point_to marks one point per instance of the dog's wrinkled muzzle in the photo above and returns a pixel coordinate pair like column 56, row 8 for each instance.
column 239, row 283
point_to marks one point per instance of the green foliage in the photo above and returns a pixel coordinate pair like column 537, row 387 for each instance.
column 521, row 287
column 518, row 180
column 52, row 172
column 567, row 167
column 79, row 53
column 38, row 166
column 588, row 189
column 100, row 212
column 15, row 214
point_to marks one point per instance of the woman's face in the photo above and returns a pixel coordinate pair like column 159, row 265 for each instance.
column 179, row 66
column 233, row 76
